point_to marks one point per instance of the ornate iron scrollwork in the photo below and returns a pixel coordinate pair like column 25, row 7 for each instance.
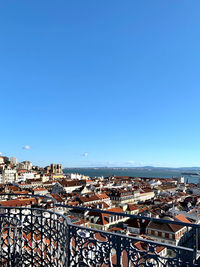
column 50, row 239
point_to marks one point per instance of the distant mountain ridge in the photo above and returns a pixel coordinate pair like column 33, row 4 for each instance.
column 139, row 167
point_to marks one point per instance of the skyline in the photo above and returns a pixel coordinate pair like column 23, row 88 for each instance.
column 127, row 165
column 100, row 84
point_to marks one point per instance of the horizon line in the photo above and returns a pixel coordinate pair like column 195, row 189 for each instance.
column 128, row 167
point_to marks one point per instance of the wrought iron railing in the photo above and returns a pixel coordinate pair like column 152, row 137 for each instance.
column 92, row 247
column 51, row 239
column 44, row 236
column 10, row 241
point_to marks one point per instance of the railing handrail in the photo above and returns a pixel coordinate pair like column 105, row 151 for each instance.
column 130, row 215
column 119, row 236
column 103, row 232
column 131, row 237
column 36, row 209
column 56, row 204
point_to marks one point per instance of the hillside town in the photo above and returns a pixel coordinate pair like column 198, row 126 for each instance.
column 167, row 199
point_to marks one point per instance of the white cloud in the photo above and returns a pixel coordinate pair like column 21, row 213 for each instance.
column 85, row 154
column 27, row 147
column 131, row 162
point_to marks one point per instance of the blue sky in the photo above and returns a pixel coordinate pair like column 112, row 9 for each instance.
column 100, row 83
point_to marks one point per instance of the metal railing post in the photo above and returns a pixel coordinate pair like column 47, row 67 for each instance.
column 195, row 248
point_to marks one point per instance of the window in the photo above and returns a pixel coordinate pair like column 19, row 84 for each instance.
column 166, row 235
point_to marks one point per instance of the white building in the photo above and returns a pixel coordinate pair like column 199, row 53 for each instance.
column 26, row 165
column 13, row 160
column 146, row 194
column 180, row 180
column 77, row 176
column 23, row 176
column 9, row 175
column 1, row 160
column 166, row 233
column 155, row 182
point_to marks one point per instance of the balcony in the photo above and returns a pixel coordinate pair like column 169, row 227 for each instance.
column 39, row 237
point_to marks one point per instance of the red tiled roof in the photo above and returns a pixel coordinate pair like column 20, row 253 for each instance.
column 132, row 207
column 39, row 189
column 17, row 202
column 103, row 217
column 182, row 218
column 102, row 196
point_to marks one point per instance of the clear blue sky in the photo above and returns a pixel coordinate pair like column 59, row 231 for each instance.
column 100, row 83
